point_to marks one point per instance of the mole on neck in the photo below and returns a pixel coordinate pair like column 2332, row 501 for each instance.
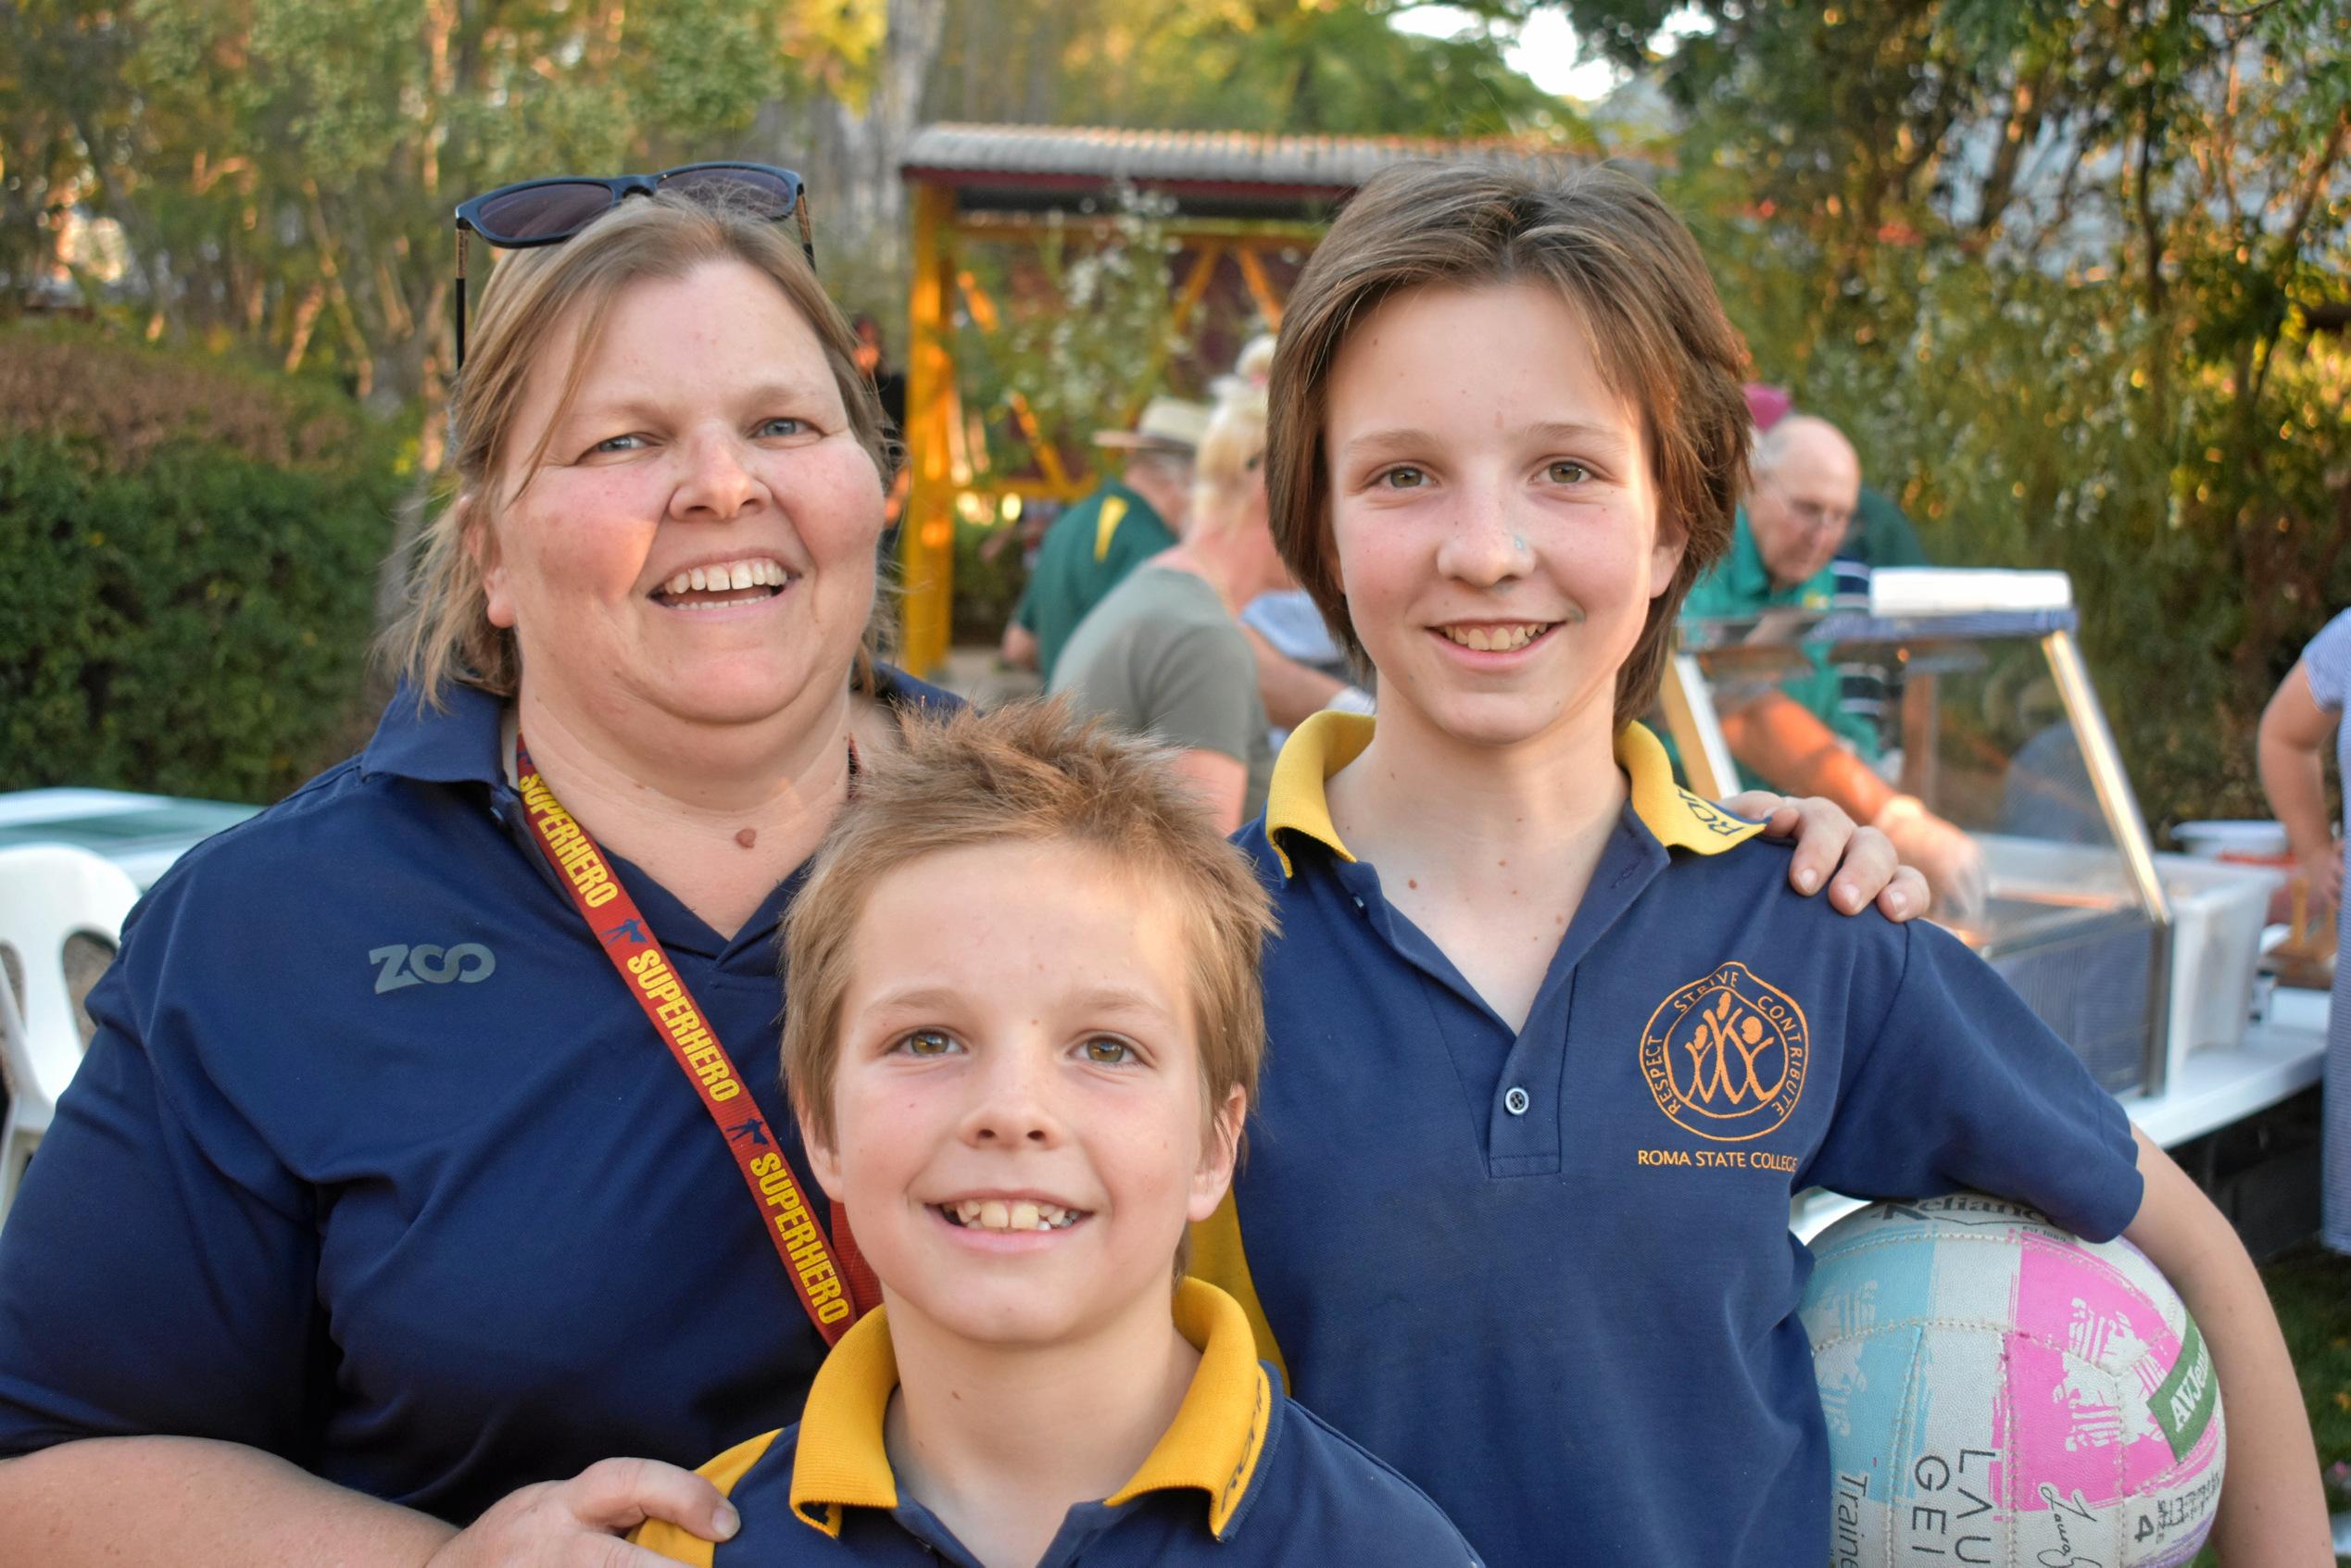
column 748, row 837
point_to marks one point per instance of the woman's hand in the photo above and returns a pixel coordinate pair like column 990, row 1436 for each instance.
column 579, row 1523
column 1858, row 864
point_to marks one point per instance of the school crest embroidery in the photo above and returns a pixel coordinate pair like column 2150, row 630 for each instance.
column 1725, row 1056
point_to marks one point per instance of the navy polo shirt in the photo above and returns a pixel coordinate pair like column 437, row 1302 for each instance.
column 373, row 1163
column 1242, row 1474
column 1547, row 1273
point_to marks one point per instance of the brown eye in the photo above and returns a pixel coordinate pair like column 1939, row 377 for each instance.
column 1103, row 1050
column 1403, row 477
column 1565, row 472
column 929, row 1042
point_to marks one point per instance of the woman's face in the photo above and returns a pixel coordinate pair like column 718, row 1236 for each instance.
column 696, row 541
column 1493, row 512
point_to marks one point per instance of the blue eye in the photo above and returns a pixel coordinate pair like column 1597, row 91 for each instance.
column 1566, row 471
column 617, row 443
column 929, row 1042
column 1104, row 1050
column 769, row 428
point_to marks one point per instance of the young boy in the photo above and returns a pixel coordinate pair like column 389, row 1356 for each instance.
column 1556, row 1042
column 1023, row 1027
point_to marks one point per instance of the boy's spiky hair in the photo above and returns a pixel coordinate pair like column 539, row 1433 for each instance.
column 1028, row 772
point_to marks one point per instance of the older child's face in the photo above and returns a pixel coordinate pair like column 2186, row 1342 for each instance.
column 1493, row 511
column 1019, row 1136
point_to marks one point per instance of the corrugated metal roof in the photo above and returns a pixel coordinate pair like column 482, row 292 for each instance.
column 1043, row 159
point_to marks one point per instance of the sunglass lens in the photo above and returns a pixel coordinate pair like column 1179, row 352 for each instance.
column 543, row 212
column 766, row 194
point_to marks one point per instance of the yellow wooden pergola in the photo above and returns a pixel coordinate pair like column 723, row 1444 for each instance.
column 1246, row 208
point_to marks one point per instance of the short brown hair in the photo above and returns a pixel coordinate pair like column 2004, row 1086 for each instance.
column 1028, row 773
column 445, row 633
column 1619, row 257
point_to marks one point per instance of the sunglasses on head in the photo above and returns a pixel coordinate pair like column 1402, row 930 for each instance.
column 546, row 212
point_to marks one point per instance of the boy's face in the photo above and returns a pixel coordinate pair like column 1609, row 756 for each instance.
column 1493, row 511
column 1019, row 1136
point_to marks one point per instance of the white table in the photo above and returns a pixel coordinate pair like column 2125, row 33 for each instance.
column 2281, row 1057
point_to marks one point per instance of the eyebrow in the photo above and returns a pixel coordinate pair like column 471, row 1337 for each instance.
column 1577, row 432
column 638, row 410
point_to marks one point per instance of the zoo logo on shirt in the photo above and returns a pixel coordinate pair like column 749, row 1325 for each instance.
column 1723, row 1057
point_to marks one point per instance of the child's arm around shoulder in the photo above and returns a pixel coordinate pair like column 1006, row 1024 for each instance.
column 2272, row 1508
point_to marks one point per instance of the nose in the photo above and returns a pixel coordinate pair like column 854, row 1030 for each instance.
column 717, row 484
column 1482, row 547
column 1013, row 1102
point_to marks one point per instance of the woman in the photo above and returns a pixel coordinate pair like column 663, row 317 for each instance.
column 2302, row 717
column 1163, row 654
column 375, row 1194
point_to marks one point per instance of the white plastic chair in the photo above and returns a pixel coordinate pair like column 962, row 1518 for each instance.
column 49, row 893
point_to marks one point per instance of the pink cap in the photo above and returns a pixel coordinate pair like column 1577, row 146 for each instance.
column 1766, row 404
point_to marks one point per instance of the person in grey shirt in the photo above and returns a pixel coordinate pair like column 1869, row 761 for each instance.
column 1163, row 653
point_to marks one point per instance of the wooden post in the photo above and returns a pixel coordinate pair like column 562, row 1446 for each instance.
column 926, row 532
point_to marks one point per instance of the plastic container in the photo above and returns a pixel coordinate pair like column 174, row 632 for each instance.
column 2234, row 838
column 2217, row 914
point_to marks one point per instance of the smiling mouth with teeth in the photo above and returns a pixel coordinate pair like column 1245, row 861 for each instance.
column 727, row 583
column 1009, row 1214
column 1496, row 639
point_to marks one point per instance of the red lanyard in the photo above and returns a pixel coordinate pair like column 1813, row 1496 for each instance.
column 837, row 1293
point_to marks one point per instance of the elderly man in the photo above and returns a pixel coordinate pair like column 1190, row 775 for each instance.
column 1103, row 538
column 1799, row 737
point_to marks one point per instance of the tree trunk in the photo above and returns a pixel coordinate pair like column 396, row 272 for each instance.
column 853, row 157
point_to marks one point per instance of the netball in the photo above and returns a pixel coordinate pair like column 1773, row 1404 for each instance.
column 1998, row 1391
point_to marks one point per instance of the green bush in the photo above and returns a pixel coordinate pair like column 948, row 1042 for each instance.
column 191, row 558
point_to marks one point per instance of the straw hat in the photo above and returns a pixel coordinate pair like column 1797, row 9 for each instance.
column 1169, row 425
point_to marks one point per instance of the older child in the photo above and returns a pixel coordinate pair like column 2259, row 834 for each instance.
column 1553, row 1041
column 1024, row 1031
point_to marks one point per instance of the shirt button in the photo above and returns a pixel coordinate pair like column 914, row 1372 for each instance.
column 1515, row 1101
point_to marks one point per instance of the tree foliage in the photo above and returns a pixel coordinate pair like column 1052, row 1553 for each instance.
column 283, row 170
column 192, row 555
column 2074, row 274
column 1313, row 68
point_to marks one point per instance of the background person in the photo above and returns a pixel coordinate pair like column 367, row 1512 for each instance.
column 376, row 1183
column 1092, row 547
column 2302, row 718
column 1798, row 734
column 1165, row 655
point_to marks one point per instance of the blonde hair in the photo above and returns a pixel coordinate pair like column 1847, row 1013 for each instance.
column 1027, row 773
column 1628, row 268
column 444, row 633
column 1231, row 460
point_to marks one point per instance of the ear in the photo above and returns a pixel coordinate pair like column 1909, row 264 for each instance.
column 824, row 1158
column 480, row 541
column 1218, row 1154
column 1665, row 552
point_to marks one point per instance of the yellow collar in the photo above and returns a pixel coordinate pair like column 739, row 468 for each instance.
column 1211, row 1445
column 1299, row 802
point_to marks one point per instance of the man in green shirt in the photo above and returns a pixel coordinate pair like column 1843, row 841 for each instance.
column 1798, row 737
column 1103, row 538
